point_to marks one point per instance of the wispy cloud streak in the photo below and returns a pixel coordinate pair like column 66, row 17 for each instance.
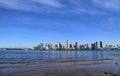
column 28, row 5
column 57, row 6
column 108, row 4
column 53, row 3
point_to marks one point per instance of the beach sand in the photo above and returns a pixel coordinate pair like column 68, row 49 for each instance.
column 88, row 68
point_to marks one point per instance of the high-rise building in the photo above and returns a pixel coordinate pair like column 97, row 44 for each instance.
column 49, row 46
column 52, row 46
column 86, row 46
column 101, row 45
column 38, row 47
column 76, row 45
column 60, row 45
column 96, row 45
column 68, row 44
column 71, row 46
column 56, row 46
column 46, row 46
column 41, row 46
column 64, row 47
column 93, row 46
column 118, row 46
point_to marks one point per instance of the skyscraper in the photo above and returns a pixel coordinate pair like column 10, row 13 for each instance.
column 68, row 44
column 56, row 46
column 60, row 45
column 93, row 46
column 86, row 46
column 71, row 46
column 101, row 45
column 76, row 45
column 96, row 45
column 41, row 46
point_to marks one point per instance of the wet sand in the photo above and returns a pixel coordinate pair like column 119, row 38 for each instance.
column 89, row 68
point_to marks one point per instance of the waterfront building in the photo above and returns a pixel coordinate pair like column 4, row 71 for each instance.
column 46, row 47
column 76, row 45
column 68, row 44
column 60, row 45
column 86, row 46
column 41, row 46
column 56, row 46
column 38, row 47
column 71, row 46
column 101, row 45
column 93, row 46
column 82, row 47
column 118, row 46
column 110, row 46
column 107, row 46
column 64, row 47
column 51, row 46
column 96, row 45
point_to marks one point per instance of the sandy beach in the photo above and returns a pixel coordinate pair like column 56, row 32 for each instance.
column 87, row 68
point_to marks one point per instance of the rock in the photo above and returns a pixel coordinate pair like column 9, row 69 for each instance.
column 105, row 73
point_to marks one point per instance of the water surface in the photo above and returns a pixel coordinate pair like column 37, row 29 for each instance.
column 18, row 56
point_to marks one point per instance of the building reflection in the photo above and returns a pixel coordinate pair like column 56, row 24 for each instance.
column 60, row 56
column 95, row 55
column 76, row 55
column 68, row 55
column 101, row 56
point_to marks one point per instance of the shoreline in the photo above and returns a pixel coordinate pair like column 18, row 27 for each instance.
column 90, row 68
column 64, row 50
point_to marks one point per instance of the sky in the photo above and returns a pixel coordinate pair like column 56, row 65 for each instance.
column 26, row 23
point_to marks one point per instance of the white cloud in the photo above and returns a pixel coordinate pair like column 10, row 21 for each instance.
column 83, row 7
column 53, row 3
column 32, row 5
column 90, row 12
column 54, row 6
column 109, row 4
column 9, row 4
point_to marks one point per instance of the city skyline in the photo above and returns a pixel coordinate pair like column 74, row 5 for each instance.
column 98, row 45
column 27, row 23
column 69, row 45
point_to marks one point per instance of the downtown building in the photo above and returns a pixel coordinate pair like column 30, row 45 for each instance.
column 69, row 46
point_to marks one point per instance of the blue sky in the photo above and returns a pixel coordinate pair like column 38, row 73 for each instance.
column 26, row 23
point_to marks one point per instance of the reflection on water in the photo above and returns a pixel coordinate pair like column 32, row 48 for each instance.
column 56, row 56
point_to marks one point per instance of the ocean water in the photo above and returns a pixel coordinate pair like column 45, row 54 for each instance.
column 18, row 56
